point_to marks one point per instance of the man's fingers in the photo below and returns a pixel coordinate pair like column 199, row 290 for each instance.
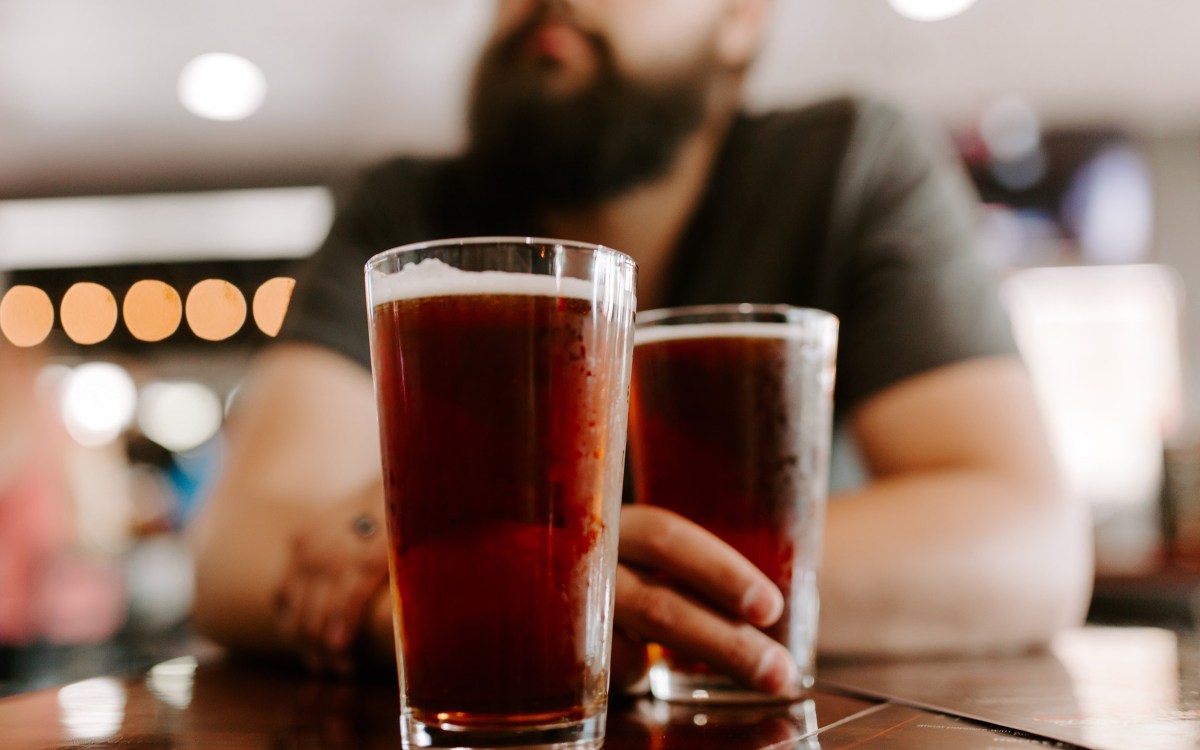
column 675, row 551
column 314, row 612
column 656, row 539
column 287, row 606
column 630, row 663
column 348, row 605
column 657, row 613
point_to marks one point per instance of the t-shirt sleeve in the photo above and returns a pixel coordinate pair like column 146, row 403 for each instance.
column 916, row 293
column 378, row 210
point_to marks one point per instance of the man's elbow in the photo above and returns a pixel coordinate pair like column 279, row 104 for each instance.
column 1059, row 589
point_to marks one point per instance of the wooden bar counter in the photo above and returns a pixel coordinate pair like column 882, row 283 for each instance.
column 1104, row 688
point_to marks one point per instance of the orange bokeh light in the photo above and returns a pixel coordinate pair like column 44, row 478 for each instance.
column 271, row 303
column 215, row 310
column 26, row 315
column 152, row 310
column 88, row 313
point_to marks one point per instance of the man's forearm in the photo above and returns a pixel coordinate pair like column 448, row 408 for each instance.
column 238, row 566
column 951, row 561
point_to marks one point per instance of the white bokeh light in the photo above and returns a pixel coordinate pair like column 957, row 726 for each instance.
column 1010, row 128
column 930, row 10
column 98, row 402
column 1110, row 207
column 221, row 86
column 179, row 415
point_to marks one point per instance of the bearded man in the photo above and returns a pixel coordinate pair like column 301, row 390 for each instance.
column 617, row 122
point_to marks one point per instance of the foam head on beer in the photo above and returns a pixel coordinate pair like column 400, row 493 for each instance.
column 748, row 330
column 433, row 278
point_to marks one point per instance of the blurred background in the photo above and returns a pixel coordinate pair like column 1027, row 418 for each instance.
column 164, row 165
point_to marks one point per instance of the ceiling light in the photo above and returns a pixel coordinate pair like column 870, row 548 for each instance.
column 179, row 416
column 98, row 402
column 271, row 303
column 130, row 229
column 930, row 10
column 152, row 310
column 215, row 309
column 88, row 313
column 221, row 86
column 26, row 315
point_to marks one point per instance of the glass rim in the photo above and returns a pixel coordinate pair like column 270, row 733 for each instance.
column 787, row 314
column 412, row 247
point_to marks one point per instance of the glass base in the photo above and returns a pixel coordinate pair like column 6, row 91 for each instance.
column 692, row 687
column 577, row 734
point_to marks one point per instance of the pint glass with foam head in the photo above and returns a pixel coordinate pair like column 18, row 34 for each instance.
column 501, row 367
column 730, row 427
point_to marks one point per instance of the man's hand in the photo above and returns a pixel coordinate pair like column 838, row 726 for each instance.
column 337, row 567
column 677, row 585
column 680, row 586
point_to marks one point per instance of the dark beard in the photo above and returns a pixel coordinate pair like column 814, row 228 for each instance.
column 575, row 150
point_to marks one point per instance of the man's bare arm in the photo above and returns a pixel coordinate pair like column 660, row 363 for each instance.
column 303, row 439
column 965, row 540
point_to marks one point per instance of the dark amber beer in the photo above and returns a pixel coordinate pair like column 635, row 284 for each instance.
column 730, row 427
column 502, row 419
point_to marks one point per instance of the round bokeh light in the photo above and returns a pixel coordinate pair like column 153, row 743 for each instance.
column 98, row 402
column 930, row 10
column 152, row 310
column 179, row 415
column 26, row 315
column 221, row 86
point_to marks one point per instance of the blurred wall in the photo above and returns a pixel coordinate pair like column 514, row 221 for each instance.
column 1175, row 166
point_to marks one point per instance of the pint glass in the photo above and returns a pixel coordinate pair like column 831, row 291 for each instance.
column 730, row 427
column 501, row 368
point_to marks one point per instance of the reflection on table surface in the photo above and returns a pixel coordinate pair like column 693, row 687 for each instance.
column 1097, row 687
column 1105, row 688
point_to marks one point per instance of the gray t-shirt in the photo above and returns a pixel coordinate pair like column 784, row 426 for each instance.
column 843, row 206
